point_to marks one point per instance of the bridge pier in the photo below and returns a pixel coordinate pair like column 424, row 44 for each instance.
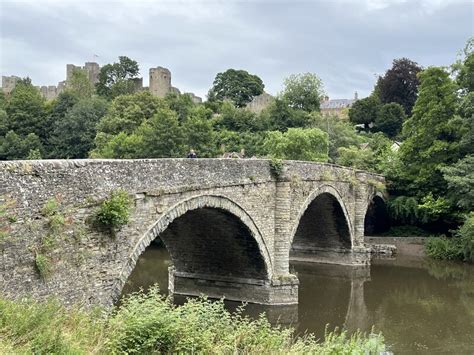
column 278, row 291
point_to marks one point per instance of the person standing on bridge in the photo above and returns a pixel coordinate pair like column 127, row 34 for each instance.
column 192, row 154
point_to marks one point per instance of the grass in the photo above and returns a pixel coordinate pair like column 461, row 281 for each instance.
column 149, row 323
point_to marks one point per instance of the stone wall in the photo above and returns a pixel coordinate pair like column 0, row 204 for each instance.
column 89, row 266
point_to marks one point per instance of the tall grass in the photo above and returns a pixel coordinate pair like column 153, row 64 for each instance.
column 148, row 323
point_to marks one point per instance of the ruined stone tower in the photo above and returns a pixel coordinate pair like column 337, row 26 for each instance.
column 160, row 81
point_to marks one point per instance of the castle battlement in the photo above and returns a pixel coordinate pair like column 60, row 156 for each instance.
column 159, row 85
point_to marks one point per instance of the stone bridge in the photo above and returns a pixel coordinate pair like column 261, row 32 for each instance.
column 231, row 226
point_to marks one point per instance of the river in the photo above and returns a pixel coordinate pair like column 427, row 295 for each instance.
column 420, row 305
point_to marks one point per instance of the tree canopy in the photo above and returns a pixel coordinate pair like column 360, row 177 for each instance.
column 117, row 79
column 238, row 86
column 400, row 84
column 303, row 91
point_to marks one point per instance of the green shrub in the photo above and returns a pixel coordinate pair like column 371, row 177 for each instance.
column 50, row 208
column 43, row 264
column 466, row 238
column 276, row 167
column 458, row 247
column 30, row 327
column 115, row 211
column 149, row 323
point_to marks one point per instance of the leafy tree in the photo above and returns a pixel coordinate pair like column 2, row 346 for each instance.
column 364, row 111
column 460, row 178
column 250, row 142
column 238, row 119
column 127, row 112
column 303, row 91
column 199, row 135
column 79, row 85
column 25, row 110
column 3, row 122
column 279, row 116
column 162, row 136
column 355, row 157
column 236, row 85
column 73, row 135
column 389, row 119
column 14, row 146
column 120, row 146
column 463, row 69
column 340, row 133
column 182, row 104
column 3, row 100
column 117, row 79
column 298, row 144
column 400, row 84
column 432, row 134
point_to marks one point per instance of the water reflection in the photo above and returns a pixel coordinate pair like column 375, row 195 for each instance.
column 420, row 306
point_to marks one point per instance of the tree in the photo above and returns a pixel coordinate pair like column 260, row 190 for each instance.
column 79, row 85
column 389, row 119
column 14, row 146
column 25, row 110
column 236, row 85
column 463, row 69
column 127, row 112
column 238, row 119
column 432, row 134
column 364, row 111
column 298, row 144
column 117, row 79
column 182, row 104
column 355, row 157
column 400, row 84
column 162, row 136
column 199, row 135
column 303, row 91
column 279, row 116
column 74, row 134
column 460, row 178
column 340, row 133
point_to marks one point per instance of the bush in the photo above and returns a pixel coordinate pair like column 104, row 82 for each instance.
column 466, row 238
column 115, row 211
column 459, row 247
column 276, row 167
column 150, row 323
column 43, row 264
column 443, row 248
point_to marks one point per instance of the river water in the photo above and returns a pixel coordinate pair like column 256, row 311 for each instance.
column 420, row 306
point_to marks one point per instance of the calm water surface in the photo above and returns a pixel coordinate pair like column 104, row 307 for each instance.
column 420, row 306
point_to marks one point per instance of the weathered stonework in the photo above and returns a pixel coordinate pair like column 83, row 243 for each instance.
column 228, row 224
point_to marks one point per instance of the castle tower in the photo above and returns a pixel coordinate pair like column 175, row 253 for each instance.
column 160, row 81
column 92, row 69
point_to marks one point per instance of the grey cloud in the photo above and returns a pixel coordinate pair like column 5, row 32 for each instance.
column 344, row 42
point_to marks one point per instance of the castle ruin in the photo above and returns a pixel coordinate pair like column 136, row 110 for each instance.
column 159, row 84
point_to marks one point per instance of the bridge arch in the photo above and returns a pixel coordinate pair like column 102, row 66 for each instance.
column 195, row 209
column 376, row 218
column 323, row 211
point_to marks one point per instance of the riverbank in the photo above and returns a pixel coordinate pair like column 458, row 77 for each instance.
column 147, row 323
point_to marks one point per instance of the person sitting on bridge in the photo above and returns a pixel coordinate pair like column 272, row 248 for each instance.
column 192, row 154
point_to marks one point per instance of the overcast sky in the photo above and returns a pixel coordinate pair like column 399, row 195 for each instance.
column 346, row 43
